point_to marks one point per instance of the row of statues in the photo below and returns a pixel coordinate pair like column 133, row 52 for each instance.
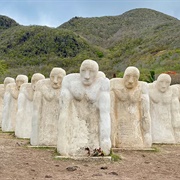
column 87, row 110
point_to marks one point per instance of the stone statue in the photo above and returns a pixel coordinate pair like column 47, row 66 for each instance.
column 7, row 80
column 130, row 115
column 10, row 103
column 1, row 101
column 164, row 109
column 46, row 109
column 25, row 107
column 84, row 120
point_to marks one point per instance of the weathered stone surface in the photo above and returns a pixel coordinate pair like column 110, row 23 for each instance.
column 130, row 115
column 84, row 112
column 10, row 103
column 46, row 109
column 164, row 108
column 25, row 107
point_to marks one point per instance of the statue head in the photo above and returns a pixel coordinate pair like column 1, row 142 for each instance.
column 88, row 72
column 21, row 79
column 163, row 82
column 35, row 78
column 101, row 74
column 56, row 77
column 131, row 77
column 8, row 80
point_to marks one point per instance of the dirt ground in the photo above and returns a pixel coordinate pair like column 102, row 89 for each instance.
column 18, row 161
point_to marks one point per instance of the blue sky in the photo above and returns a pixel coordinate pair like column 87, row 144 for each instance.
column 55, row 12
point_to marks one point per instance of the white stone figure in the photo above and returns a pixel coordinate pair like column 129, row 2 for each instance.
column 176, row 106
column 84, row 120
column 10, row 103
column 164, row 109
column 46, row 109
column 7, row 80
column 1, row 101
column 25, row 107
column 130, row 116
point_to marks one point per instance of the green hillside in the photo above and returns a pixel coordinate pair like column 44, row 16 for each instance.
column 144, row 38
column 30, row 49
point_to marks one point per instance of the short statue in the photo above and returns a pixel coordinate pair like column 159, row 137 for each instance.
column 7, row 80
column 164, row 109
column 10, row 103
column 84, row 121
column 46, row 109
column 130, row 115
column 25, row 107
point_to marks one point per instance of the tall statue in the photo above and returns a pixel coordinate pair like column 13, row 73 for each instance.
column 84, row 121
column 7, row 80
column 25, row 107
column 130, row 117
column 1, row 101
column 46, row 109
column 10, row 103
column 164, row 109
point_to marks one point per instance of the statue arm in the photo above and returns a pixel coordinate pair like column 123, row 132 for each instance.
column 29, row 93
column 175, row 108
column 113, row 118
column 37, row 108
column 105, row 121
column 64, row 112
column 14, row 92
column 47, row 93
column 146, row 119
column 5, row 113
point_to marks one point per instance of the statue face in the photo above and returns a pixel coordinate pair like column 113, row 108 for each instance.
column 35, row 78
column 20, row 80
column 163, row 82
column 131, row 77
column 88, row 72
column 56, row 77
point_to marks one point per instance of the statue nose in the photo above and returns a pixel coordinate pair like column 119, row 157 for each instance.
column 130, row 80
column 55, row 80
column 87, row 76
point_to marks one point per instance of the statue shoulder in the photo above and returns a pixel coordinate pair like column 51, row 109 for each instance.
column 42, row 84
column 116, row 83
column 71, row 80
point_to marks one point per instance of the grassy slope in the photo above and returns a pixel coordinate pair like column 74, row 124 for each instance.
column 144, row 38
column 30, row 49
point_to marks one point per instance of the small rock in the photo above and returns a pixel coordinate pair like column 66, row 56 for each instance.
column 147, row 162
column 57, row 165
column 113, row 173
column 48, row 176
column 104, row 167
column 72, row 168
column 97, row 174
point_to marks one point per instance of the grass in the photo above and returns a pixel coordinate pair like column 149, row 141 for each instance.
column 115, row 157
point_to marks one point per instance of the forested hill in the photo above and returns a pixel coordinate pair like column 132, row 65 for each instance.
column 6, row 22
column 145, row 38
column 106, row 31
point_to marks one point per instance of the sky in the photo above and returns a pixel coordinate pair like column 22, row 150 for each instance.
column 53, row 13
